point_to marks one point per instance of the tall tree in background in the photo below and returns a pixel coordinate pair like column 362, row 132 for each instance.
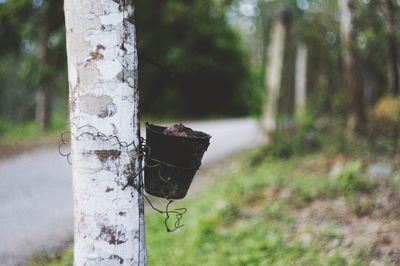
column 108, row 194
column 273, row 74
column 34, row 48
column 300, row 80
column 42, row 114
column 351, row 65
column 393, row 68
column 49, row 20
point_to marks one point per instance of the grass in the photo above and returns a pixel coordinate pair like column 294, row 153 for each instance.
column 17, row 137
column 62, row 258
column 250, row 217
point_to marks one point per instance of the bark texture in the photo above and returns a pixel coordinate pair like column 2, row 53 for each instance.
column 352, row 71
column 393, row 56
column 102, row 66
column 273, row 75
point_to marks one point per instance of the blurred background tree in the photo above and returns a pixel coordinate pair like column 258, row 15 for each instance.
column 333, row 88
column 33, row 68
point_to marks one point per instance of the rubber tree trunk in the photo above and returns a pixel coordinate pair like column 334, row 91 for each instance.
column 273, row 76
column 352, row 71
column 42, row 108
column 393, row 68
column 301, row 80
column 108, row 193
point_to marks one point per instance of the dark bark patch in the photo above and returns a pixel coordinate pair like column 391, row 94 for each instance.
column 72, row 105
column 131, row 176
column 123, row 48
column 125, row 74
column 122, row 213
column 112, row 235
column 127, row 6
column 100, row 47
column 108, row 189
column 116, row 257
column 108, row 110
column 96, row 55
column 105, row 155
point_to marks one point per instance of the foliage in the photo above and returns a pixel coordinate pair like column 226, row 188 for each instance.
column 350, row 179
column 286, row 143
column 30, row 27
column 10, row 130
column 205, row 73
column 300, row 139
column 385, row 117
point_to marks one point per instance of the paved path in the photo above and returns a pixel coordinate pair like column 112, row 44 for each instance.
column 36, row 191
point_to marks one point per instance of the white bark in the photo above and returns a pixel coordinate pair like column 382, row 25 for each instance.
column 300, row 79
column 273, row 75
column 102, row 66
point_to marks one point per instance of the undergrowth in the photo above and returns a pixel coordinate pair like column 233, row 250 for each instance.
column 11, row 131
column 246, row 218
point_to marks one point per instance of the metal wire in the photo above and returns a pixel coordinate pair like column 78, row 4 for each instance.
column 141, row 150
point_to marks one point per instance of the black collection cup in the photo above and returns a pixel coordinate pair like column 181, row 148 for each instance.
column 172, row 161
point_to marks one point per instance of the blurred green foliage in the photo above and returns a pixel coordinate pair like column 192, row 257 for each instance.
column 27, row 29
column 206, row 71
column 351, row 180
column 385, row 121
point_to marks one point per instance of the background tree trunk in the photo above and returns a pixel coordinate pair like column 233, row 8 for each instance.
column 102, row 66
column 273, row 75
column 286, row 104
column 393, row 69
column 42, row 108
column 352, row 72
column 301, row 79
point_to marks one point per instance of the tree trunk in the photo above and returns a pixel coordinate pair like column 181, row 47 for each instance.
column 104, row 97
column 393, row 69
column 273, row 76
column 352, row 72
column 301, row 80
column 286, row 110
column 42, row 108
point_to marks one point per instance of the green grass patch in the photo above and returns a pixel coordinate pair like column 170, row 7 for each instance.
column 18, row 137
column 63, row 258
column 238, row 221
column 232, row 224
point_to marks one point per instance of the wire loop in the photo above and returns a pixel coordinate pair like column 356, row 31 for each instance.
column 141, row 150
